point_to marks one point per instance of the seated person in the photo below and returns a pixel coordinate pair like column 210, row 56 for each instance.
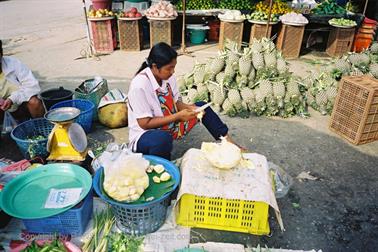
column 156, row 112
column 18, row 89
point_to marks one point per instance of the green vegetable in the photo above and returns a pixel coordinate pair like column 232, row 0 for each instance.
column 328, row 7
column 120, row 242
column 342, row 22
column 97, row 240
column 54, row 246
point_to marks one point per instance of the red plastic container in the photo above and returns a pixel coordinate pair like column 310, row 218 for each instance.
column 214, row 30
column 101, row 4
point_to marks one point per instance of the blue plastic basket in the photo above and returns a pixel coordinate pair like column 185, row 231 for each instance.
column 73, row 221
column 87, row 109
column 29, row 129
column 140, row 219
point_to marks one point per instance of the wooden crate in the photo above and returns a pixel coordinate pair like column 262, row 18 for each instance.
column 340, row 41
column 231, row 31
column 355, row 112
column 258, row 31
column 289, row 40
column 103, row 35
column 160, row 31
column 130, row 35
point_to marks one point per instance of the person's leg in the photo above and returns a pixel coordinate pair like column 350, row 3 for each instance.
column 35, row 107
column 213, row 123
column 156, row 142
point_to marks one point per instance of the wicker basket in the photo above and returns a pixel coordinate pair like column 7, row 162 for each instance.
column 160, row 31
column 258, row 31
column 290, row 40
column 355, row 113
column 130, row 35
column 103, row 35
column 231, row 31
column 340, row 41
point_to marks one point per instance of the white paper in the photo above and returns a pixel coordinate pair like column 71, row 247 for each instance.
column 60, row 198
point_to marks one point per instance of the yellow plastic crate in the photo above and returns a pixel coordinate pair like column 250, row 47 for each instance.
column 224, row 214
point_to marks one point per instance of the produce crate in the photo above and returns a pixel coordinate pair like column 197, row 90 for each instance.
column 224, row 214
column 340, row 41
column 231, row 31
column 74, row 221
column 160, row 31
column 130, row 35
column 355, row 112
column 258, row 32
column 289, row 40
column 103, row 34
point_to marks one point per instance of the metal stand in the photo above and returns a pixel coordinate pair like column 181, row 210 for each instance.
column 183, row 50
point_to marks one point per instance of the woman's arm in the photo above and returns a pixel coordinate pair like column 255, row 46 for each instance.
column 157, row 122
column 180, row 106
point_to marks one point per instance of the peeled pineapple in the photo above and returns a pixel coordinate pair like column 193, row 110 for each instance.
column 224, row 155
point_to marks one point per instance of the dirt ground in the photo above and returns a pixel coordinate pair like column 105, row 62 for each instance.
column 337, row 212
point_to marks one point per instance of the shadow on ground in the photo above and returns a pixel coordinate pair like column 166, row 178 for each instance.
column 337, row 212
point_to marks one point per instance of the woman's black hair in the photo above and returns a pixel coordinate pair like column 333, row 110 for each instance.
column 1, row 47
column 161, row 54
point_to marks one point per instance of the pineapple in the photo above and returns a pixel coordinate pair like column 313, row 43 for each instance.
column 220, row 77
column 217, row 96
column 247, row 95
column 331, row 93
column 232, row 58
column 256, row 46
column 260, row 106
column 181, row 83
column 310, row 98
column 209, row 76
column 245, row 65
column 293, row 92
column 279, row 93
column 282, row 66
column 342, row 65
column 234, row 96
column 252, row 74
column 361, row 61
column 217, row 65
column 203, row 93
column 374, row 68
column 266, row 88
column 356, row 72
column 241, row 81
column 258, row 60
column 270, row 59
column 211, row 86
column 199, row 74
column 229, row 74
column 192, row 95
column 321, row 100
column 228, row 108
column 374, row 48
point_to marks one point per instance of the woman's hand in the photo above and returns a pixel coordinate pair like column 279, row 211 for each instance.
column 186, row 115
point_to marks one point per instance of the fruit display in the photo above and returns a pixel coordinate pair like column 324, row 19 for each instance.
column 100, row 13
column 342, row 22
column 255, row 80
column 328, row 7
column 132, row 13
column 235, row 4
column 162, row 9
column 293, row 18
column 278, row 7
column 322, row 86
column 197, row 5
column 262, row 16
column 231, row 15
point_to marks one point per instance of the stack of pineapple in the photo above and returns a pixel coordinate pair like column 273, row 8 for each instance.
column 240, row 82
column 322, row 87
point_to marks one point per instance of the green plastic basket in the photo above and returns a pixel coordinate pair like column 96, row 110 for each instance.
column 94, row 96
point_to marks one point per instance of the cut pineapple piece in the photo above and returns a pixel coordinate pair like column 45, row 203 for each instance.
column 159, row 168
column 150, row 169
column 165, row 177
column 156, row 179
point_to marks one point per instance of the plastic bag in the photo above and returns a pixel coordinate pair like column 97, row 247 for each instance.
column 125, row 175
column 282, row 180
column 9, row 123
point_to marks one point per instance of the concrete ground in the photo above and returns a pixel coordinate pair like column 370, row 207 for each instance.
column 337, row 212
